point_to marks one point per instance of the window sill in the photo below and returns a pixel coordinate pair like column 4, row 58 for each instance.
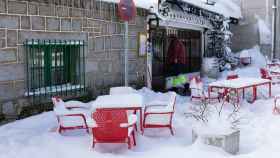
column 54, row 89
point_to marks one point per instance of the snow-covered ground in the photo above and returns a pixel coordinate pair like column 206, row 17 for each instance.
column 35, row 136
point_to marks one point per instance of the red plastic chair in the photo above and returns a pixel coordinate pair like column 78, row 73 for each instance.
column 70, row 117
column 160, row 116
column 275, row 78
column 113, row 126
column 265, row 74
column 197, row 91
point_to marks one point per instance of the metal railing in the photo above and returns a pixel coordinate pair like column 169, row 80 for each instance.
column 55, row 67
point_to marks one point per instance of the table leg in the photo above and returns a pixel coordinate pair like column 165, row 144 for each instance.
column 209, row 91
column 254, row 93
column 237, row 95
column 135, row 112
column 243, row 91
column 141, row 121
column 269, row 89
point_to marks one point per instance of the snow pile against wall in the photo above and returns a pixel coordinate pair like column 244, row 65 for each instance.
column 264, row 32
column 225, row 7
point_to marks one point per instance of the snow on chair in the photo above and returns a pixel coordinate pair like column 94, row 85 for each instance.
column 159, row 113
column 113, row 126
column 70, row 115
column 275, row 78
column 197, row 91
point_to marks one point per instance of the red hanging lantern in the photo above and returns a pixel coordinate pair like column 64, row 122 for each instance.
column 127, row 10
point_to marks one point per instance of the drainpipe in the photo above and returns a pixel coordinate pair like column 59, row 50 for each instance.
column 274, row 29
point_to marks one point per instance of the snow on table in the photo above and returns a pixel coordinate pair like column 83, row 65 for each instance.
column 239, row 82
column 118, row 101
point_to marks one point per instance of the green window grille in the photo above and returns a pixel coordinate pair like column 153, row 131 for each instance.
column 55, row 67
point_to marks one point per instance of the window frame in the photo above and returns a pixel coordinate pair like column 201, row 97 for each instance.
column 45, row 69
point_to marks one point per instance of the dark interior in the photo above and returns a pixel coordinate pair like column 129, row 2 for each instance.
column 161, row 39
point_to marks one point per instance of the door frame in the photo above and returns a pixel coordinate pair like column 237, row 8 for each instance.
column 149, row 57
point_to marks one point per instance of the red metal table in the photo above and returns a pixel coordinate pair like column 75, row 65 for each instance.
column 241, row 84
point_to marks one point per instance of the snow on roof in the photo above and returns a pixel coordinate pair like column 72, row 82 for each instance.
column 225, row 7
column 139, row 3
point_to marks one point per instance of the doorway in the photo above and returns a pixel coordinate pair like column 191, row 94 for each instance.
column 162, row 52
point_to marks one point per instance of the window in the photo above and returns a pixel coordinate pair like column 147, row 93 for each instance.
column 55, row 67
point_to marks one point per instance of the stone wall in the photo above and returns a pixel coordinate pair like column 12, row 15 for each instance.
column 95, row 22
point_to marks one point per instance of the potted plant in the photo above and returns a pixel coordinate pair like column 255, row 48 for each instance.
column 216, row 126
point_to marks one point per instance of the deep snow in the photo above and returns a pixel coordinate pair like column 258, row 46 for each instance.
column 36, row 137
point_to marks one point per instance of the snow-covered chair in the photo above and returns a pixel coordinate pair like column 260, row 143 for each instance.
column 121, row 90
column 245, row 58
column 113, row 126
column 159, row 112
column 71, row 115
column 265, row 74
column 198, row 92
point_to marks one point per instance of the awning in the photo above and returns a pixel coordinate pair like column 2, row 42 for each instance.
column 224, row 7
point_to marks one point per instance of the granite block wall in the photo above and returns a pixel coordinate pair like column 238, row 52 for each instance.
column 93, row 21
